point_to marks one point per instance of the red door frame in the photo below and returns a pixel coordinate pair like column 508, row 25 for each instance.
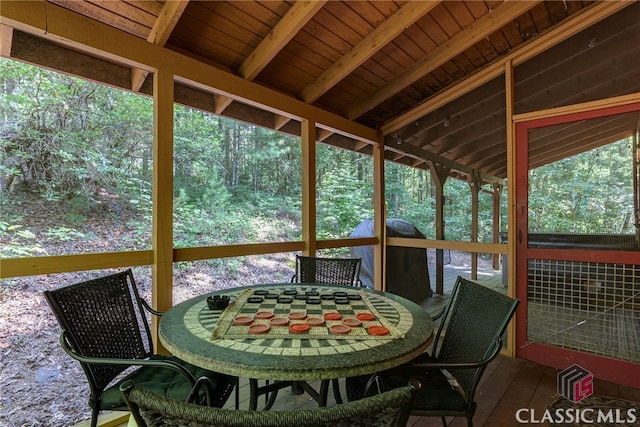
column 609, row 369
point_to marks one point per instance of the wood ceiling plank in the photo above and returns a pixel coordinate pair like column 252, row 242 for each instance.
column 233, row 24
column 557, row 10
column 140, row 13
column 228, row 55
column 461, row 41
column 540, row 17
column 105, row 15
column 512, row 34
column 364, row 50
column 525, row 26
column 299, row 14
column 359, row 24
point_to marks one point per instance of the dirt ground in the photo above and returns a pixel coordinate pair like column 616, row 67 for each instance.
column 40, row 384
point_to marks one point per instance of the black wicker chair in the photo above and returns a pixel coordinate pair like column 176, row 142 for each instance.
column 387, row 409
column 468, row 338
column 335, row 271
column 105, row 327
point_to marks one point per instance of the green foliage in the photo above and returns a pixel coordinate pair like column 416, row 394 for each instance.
column 87, row 150
column 591, row 192
column 344, row 185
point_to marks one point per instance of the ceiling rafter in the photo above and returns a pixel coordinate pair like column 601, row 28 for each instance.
column 296, row 18
column 372, row 43
column 457, row 44
column 159, row 34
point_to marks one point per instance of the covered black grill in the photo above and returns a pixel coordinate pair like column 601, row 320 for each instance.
column 407, row 270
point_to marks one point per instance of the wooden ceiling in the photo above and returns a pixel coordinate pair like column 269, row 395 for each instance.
column 427, row 74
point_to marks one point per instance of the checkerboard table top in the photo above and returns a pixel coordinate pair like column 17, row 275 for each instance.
column 223, row 341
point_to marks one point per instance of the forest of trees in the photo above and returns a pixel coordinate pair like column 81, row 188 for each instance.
column 85, row 147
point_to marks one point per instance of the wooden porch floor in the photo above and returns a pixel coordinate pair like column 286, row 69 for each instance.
column 508, row 385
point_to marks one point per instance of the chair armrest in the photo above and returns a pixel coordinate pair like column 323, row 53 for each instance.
column 126, row 362
column 203, row 383
column 466, row 365
column 439, row 315
column 150, row 309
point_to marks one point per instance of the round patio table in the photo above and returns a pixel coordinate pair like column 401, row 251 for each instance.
column 221, row 340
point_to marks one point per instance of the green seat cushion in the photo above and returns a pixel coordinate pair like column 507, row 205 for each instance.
column 436, row 393
column 162, row 381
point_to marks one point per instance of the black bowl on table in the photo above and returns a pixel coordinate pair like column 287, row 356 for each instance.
column 218, row 302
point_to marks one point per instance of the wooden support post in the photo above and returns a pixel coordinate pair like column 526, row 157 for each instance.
column 308, row 135
column 162, row 223
column 475, row 184
column 497, row 221
column 379, row 217
column 439, row 176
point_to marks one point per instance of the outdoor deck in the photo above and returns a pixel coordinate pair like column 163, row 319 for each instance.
column 509, row 384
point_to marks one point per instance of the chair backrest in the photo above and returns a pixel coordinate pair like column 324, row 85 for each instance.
column 103, row 318
column 336, row 271
column 471, row 328
column 391, row 408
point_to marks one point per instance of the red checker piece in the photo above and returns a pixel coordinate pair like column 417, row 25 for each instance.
column 352, row 322
column 365, row 317
column 315, row 321
column 243, row 320
column 332, row 316
column 279, row 321
column 299, row 328
column 340, row 329
column 378, row 330
column 296, row 315
column 264, row 315
column 259, row 329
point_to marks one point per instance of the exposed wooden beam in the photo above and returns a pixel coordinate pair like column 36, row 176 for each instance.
column 6, row 37
column 423, row 154
column 280, row 121
column 221, row 104
column 457, row 44
column 159, row 34
column 372, row 43
column 299, row 14
column 575, row 23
